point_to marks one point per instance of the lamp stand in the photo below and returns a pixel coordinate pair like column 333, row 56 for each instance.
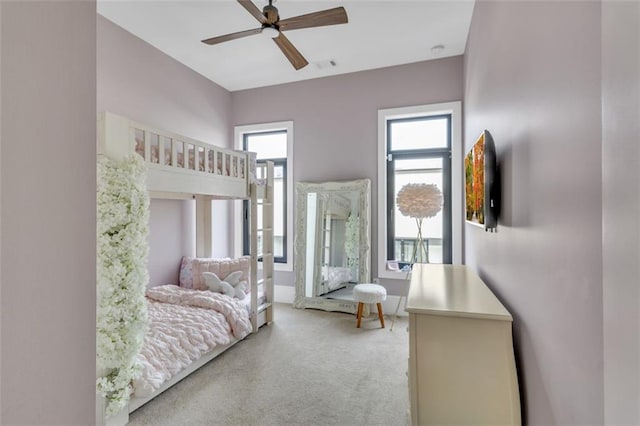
column 418, row 249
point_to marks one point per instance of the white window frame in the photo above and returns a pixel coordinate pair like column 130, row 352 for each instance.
column 239, row 132
column 384, row 115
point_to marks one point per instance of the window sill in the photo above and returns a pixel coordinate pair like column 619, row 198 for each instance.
column 280, row 267
column 392, row 275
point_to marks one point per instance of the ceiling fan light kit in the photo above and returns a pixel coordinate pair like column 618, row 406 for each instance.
column 273, row 27
column 270, row 32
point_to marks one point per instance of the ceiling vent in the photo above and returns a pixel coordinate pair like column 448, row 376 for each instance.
column 327, row 63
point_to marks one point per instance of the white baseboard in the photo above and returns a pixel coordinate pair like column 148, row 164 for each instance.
column 389, row 306
column 284, row 294
column 287, row 294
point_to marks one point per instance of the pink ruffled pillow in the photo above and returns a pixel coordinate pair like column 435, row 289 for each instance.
column 191, row 269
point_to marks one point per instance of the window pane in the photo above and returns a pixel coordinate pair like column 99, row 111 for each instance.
column 278, row 212
column 267, row 145
column 417, row 170
column 272, row 145
column 418, row 134
column 420, row 165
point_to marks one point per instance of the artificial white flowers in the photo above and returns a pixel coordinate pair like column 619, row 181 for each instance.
column 122, row 277
column 352, row 240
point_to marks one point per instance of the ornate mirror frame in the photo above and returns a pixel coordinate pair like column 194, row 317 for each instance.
column 363, row 188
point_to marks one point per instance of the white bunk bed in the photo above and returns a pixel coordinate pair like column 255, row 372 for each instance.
column 182, row 168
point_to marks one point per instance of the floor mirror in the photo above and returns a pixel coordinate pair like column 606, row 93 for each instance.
column 332, row 245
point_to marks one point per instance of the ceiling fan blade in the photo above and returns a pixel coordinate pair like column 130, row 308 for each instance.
column 220, row 39
column 253, row 10
column 297, row 60
column 315, row 19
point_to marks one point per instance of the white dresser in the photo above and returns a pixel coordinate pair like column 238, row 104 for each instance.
column 461, row 365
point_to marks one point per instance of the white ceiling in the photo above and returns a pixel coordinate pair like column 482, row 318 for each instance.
column 379, row 34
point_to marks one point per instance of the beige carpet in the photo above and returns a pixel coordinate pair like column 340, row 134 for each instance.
column 309, row 367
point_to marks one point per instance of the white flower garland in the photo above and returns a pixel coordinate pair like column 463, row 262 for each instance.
column 352, row 240
column 122, row 277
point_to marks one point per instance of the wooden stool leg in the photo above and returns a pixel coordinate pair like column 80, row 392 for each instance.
column 380, row 314
column 359, row 315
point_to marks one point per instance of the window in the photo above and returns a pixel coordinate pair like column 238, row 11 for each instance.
column 419, row 145
column 418, row 151
column 270, row 146
column 270, row 142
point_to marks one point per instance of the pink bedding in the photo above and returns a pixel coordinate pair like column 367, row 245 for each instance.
column 185, row 324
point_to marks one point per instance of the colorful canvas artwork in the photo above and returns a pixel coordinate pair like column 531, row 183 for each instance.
column 475, row 182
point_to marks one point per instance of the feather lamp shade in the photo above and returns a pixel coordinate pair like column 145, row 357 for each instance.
column 419, row 200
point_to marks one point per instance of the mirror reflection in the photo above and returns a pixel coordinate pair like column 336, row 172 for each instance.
column 332, row 243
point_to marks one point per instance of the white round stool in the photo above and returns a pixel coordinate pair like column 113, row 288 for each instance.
column 369, row 293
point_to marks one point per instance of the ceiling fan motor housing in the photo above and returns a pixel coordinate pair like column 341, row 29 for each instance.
column 271, row 13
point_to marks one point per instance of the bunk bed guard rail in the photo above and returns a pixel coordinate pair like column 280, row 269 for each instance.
column 177, row 164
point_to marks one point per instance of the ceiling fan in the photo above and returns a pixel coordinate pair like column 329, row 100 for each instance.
column 273, row 26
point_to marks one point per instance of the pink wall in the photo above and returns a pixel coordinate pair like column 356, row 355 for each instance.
column 47, row 210
column 532, row 78
column 1, row 185
column 621, row 210
column 138, row 81
column 169, row 222
column 335, row 119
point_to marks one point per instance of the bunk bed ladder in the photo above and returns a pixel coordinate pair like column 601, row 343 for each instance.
column 265, row 235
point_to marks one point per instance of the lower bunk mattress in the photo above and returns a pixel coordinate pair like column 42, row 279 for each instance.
column 184, row 325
